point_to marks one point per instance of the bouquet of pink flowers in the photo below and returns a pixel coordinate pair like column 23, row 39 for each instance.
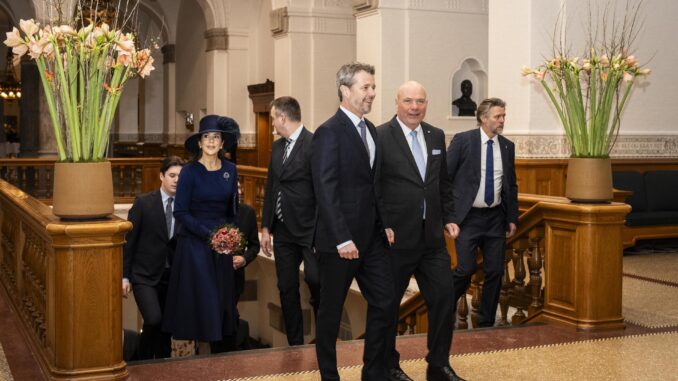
column 228, row 239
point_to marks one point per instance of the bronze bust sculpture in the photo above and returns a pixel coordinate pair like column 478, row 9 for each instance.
column 465, row 105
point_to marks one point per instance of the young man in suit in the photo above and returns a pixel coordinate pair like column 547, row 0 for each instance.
column 415, row 196
column 147, row 256
column 289, row 214
column 481, row 165
column 349, row 234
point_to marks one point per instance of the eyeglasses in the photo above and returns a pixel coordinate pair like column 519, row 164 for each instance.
column 215, row 137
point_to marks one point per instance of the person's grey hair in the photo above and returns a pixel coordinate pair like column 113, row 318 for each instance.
column 346, row 75
column 485, row 106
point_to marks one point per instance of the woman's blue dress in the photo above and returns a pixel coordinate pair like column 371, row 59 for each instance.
column 201, row 295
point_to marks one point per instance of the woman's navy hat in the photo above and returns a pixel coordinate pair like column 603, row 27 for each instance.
column 229, row 129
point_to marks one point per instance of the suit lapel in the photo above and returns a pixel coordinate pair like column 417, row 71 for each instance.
column 401, row 140
column 503, row 148
column 297, row 146
column 476, row 151
column 159, row 208
column 353, row 135
column 429, row 146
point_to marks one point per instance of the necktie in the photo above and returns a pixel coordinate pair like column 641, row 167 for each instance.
column 278, row 198
column 287, row 146
column 489, row 174
column 419, row 159
column 168, row 216
column 418, row 155
column 363, row 135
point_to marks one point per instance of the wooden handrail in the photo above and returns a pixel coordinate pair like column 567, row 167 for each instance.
column 131, row 176
column 557, row 245
column 63, row 279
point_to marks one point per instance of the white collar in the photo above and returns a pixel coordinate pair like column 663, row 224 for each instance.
column 354, row 118
column 295, row 135
column 164, row 196
column 407, row 130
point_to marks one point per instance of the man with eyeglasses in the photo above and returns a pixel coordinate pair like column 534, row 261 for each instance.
column 415, row 199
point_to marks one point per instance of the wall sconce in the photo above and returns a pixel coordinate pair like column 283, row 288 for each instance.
column 188, row 121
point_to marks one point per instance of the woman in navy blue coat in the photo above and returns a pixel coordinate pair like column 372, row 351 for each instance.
column 201, row 300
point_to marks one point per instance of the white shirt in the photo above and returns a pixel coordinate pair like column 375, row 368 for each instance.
column 370, row 142
column 420, row 139
column 292, row 139
column 165, row 199
column 479, row 201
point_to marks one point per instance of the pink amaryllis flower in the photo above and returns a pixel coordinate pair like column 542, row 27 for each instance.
column 29, row 27
column 144, row 62
column 124, row 42
column 14, row 38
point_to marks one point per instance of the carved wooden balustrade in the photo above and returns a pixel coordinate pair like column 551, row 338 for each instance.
column 253, row 184
column 563, row 265
column 63, row 279
column 131, row 176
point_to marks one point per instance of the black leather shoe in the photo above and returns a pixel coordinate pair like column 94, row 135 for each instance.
column 397, row 374
column 441, row 373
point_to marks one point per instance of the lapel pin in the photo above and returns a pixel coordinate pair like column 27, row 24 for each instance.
column 226, row 176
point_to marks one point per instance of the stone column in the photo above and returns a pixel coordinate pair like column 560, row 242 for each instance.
column 311, row 43
column 510, row 22
column 217, row 71
column 29, row 129
column 169, row 95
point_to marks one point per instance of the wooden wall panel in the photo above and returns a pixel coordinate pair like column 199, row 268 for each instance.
column 560, row 269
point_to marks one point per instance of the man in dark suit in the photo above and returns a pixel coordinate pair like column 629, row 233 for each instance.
column 147, row 256
column 481, row 165
column 349, row 234
column 415, row 196
column 289, row 214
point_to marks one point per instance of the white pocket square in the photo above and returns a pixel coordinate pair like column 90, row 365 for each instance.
column 435, row 152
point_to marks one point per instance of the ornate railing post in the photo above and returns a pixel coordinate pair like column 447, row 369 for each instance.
column 63, row 279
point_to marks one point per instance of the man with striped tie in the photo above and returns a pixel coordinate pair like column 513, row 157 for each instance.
column 289, row 214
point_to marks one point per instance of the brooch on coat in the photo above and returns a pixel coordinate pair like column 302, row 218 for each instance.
column 227, row 176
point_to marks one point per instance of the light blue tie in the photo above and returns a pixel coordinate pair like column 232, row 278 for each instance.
column 418, row 155
column 419, row 159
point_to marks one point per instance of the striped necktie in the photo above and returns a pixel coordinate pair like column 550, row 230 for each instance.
column 278, row 198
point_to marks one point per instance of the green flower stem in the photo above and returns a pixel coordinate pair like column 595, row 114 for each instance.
column 71, row 120
column 49, row 96
column 616, row 122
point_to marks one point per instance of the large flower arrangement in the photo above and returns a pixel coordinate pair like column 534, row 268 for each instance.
column 83, row 72
column 589, row 93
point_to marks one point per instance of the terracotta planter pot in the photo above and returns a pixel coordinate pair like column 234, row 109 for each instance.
column 83, row 190
column 589, row 180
